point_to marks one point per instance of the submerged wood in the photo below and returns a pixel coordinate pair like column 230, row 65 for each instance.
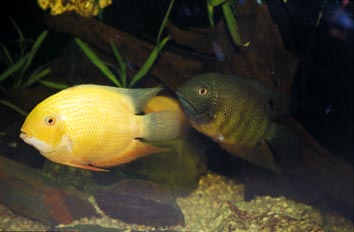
column 319, row 179
column 34, row 196
column 265, row 60
column 170, row 68
column 139, row 202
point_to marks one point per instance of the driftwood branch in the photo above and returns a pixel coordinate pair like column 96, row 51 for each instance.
column 32, row 195
column 327, row 172
column 171, row 69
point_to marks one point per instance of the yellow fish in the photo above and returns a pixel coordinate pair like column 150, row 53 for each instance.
column 93, row 126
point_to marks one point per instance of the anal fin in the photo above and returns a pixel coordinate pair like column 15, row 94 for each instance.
column 260, row 155
column 88, row 167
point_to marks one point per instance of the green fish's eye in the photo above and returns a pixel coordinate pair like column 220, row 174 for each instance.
column 49, row 120
column 203, row 91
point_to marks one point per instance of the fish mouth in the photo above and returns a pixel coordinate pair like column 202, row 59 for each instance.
column 187, row 106
column 40, row 145
column 25, row 137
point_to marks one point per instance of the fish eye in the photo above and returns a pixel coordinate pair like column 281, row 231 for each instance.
column 203, row 91
column 49, row 120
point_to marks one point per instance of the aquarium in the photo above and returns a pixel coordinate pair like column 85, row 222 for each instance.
column 176, row 115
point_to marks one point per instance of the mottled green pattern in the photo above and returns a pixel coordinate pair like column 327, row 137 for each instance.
column 239, row 114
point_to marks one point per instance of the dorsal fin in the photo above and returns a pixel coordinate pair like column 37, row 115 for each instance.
column 139, row 96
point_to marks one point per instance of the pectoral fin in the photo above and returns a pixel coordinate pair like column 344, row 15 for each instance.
column 88, row 167
column 260, row 155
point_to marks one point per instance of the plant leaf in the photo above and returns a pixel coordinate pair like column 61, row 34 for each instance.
column 8, row 59
column 14, row 107
column 214, row 3
column 97, row 62
column 17, row 28
column 54, row 85
column 149, row 62
column 36, row 76
column 32, row 53
column 13, row 68
column 124, row 75
column 210, row 9
column 121, row 70
column 164, row 21
column 232, row 25
column 20, row 35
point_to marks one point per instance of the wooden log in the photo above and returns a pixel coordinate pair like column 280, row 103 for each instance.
column 319, row 179
column 266, row 58
column 200, row 41
column 32, row 195
column 336, row 174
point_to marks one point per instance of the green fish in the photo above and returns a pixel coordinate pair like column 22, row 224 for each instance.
column 240, row 114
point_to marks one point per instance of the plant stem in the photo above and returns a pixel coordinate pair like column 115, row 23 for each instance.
column 13, row 107
column 164, row 21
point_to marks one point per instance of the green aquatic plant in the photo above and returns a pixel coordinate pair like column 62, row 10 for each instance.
column 164, row 21
column 19, row 63
column 100, row 10
column 105, row 68
column 229, row 12
column 13, row 107
column 18, row 66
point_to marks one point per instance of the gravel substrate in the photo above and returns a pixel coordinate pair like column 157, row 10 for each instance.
column 11, row 222
column 216, row 204
column 201, row 206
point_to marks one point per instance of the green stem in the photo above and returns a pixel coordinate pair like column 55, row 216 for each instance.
column 13, row 107
column 164, row 21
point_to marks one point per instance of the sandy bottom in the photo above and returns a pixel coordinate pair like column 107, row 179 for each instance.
column 201, row 210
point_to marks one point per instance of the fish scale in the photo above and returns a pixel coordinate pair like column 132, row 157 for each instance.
column 243, row 125
column 97, row 127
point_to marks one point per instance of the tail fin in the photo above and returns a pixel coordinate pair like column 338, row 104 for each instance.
column 287, row 143
column 161, row 125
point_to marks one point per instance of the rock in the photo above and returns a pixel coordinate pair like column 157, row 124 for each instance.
column 140, row 202
column 230, row 218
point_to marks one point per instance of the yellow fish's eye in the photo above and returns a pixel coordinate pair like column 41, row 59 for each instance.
column 49, row 120
column 203, row 91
